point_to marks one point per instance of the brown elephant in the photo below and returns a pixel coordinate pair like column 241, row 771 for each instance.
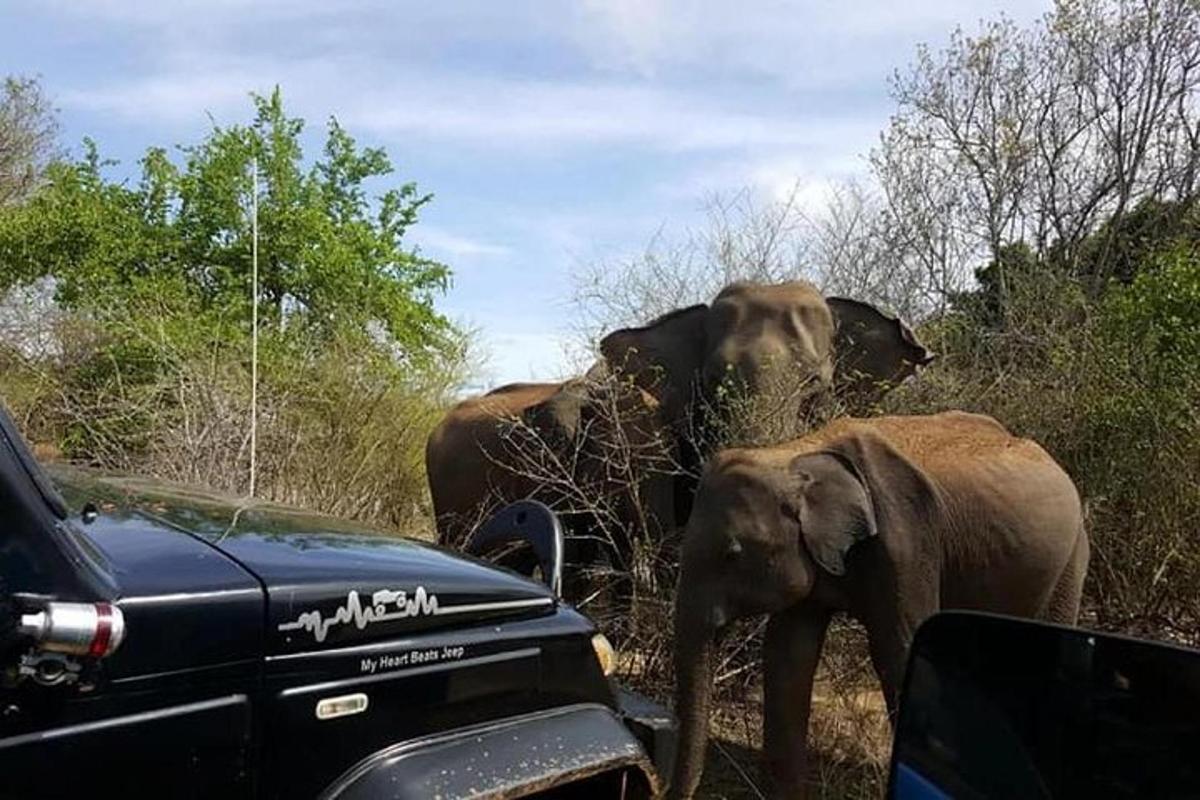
column 750, row 335
column 887, row 519
column 783, row 338
column 464, row 456
column 561, row 443
column 752, row 331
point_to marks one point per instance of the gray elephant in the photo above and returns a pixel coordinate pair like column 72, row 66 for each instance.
column 757, row 339
column 563, row 444
column 887, row 519
column 672, row 372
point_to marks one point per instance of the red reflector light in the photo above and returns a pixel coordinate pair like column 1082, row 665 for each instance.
column 94, row 630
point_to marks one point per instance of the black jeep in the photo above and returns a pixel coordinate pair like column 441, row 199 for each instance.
column 162, row 642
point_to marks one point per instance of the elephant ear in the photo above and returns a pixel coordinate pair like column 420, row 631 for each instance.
column 557, row 420
column 874, row 351
column 662, row 358
column 833, row 505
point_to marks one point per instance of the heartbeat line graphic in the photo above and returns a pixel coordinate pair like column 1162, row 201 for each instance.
column 388, row 604
column 385, row 605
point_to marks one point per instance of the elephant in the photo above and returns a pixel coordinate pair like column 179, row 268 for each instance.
column 887, row 519
column 668, row 377
column 463, row 456
column 556, row 442
column 750, row 337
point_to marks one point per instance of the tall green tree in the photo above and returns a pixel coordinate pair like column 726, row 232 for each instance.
column 333, row 257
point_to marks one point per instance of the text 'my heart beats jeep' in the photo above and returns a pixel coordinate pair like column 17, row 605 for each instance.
column 162, row 642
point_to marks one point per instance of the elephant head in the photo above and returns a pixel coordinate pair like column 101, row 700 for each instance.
column 754, row 334
column 768, row 340
column 610, row 436
column 558, row 418
column 770, row 531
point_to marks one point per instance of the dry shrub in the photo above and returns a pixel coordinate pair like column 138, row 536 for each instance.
column 341, row 425
column 599, row 479
column 1110, row 387
column 631, row 597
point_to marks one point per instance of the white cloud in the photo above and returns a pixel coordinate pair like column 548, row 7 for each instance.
column 798, row 43
column 440, row 241
column 481, row 111
column 516, row 356
column 836, row 152
column 630, row 33
column 788, row 179
column 165, row 98
column 533, row 114
column 708, row 76
column 192, row 14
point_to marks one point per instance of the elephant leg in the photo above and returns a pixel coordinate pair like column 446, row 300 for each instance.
column 790, row 655
column 889, row 653
column 890, row 629
column 1064, row 600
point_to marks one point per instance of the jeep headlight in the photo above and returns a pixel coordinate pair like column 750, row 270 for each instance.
column 605, row 654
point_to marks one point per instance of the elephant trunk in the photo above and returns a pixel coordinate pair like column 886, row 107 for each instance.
column 695, row 642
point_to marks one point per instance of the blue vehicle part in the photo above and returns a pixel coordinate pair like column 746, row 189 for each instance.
column 912, row 785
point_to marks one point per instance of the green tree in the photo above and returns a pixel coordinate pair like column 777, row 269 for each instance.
column 1134, row 241
column 333, row 260
column 143, row 356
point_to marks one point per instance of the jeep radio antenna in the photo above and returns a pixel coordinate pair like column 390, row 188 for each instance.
column 253, row 322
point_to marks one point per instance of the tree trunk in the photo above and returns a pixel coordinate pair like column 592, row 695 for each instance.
column 694, row 644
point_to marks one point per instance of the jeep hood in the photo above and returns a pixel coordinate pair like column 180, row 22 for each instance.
column 339, row 589
column 328, row 583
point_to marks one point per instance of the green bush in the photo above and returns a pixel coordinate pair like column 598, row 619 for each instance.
column 341, row 424
column 1111, row 387
column 148, row 363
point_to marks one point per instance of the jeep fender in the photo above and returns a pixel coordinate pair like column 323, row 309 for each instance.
column 513, row 757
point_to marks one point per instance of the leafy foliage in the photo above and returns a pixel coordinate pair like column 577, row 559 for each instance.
column 331, row 258
column 147, row 367
column 1111, row 387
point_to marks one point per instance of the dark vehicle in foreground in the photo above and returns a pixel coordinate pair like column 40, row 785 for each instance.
column 1001, row 707
column 159, row 642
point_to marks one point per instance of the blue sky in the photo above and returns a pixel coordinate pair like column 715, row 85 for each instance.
column 552, row 133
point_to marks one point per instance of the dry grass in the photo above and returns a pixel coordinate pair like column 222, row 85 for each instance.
column 341, row 429
column 849, row 734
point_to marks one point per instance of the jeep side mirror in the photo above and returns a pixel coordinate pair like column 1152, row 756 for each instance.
column 525, row 536
column 1001, row 707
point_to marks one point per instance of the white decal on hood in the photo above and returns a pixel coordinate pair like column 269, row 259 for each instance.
column 387, row 605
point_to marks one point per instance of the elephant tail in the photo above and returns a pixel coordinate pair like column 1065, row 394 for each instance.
column 1068, row 591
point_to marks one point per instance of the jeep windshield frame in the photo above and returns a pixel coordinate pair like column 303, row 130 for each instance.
column 42, row 555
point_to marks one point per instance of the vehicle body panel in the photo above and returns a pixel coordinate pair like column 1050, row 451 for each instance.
column 187, row 605
column 308, row 564
column 242, row 617
column 464, row 677
column 505, row 759
column 194, row 749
